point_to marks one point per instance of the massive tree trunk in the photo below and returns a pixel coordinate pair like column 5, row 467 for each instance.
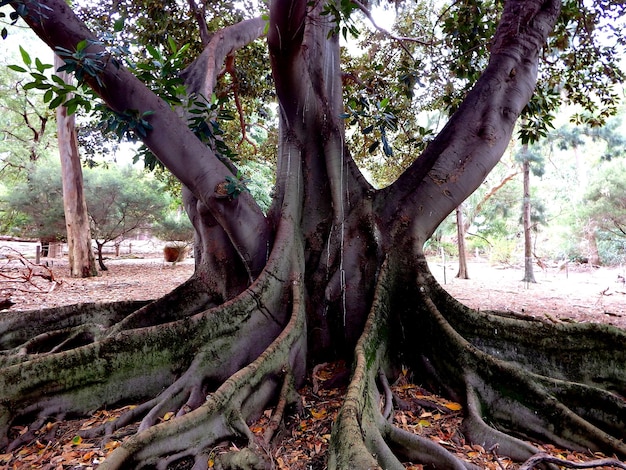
column 80, row 252
column 336, row 269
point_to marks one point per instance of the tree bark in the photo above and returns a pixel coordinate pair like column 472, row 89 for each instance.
column 336, row 270
column 529, row 275
column 80, row 252
column 460, row 231
column 592, row 244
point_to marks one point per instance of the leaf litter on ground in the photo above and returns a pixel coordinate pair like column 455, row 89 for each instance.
column 301, row 444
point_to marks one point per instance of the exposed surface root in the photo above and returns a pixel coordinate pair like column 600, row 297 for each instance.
column 31, row 332
column 144, row 362
column 504, row 390
column 477, row 431
column 542, row 458
column 363, row 436
column 551, row 383
column 189, row 298
column 288, row 396
column 24, row 335
column 225, row 414
column 418, row 449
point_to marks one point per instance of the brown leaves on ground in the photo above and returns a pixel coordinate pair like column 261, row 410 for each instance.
column 301, row 444
column 58, row 445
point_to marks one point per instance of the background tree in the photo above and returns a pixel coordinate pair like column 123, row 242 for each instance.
column 25, row 132
column 120, row 203
column 38, row 204
column 529, row 160
column 335, row 269
column 460, row 230
column 25, row 120
column 604, row 201
column 80, row 253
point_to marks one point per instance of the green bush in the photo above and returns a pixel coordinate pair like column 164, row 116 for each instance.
column 502, row 250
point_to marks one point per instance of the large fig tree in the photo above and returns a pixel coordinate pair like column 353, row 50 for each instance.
column 335, row 269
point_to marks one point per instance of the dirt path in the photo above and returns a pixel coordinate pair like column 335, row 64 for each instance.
column 126, row 279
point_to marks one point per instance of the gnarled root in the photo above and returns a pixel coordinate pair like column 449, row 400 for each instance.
column 226, row 412
column 33, row 332
column 362, row 436
column 542, row 458
column 498, row 367
column 561, row 383
column 24, row 335
column 141, row 363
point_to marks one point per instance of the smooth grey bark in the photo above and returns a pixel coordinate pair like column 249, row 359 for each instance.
column 80, row 252
column 529, row 274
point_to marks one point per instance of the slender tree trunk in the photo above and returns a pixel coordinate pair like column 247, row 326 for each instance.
column 460, row 231
column 81, row 259
column 99, row 248
column 592, row 244
column 529, row 275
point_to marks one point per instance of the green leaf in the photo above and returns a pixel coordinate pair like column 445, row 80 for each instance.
column 58, row 80
column 172, row 44
column 183, row 49
column 71, row 107
column 55, row 103
column 39, row 77
column 386, row 147
column 118, row 25
column 17, row 68
column 25, row 57
column 154, row 52
column 41, row 67
column 82, row 45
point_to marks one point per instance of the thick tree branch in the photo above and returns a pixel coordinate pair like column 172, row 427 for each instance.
column 199, row 13
column 171, row 141
column 201, row 76
column 474, row 139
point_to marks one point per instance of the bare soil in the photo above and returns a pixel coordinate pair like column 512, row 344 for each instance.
column 575, row 292
column 126, row 279
column 580, row 293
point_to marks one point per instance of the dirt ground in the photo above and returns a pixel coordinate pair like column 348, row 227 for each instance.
column 126, row 279
column 577, row 292
column 580, row 293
